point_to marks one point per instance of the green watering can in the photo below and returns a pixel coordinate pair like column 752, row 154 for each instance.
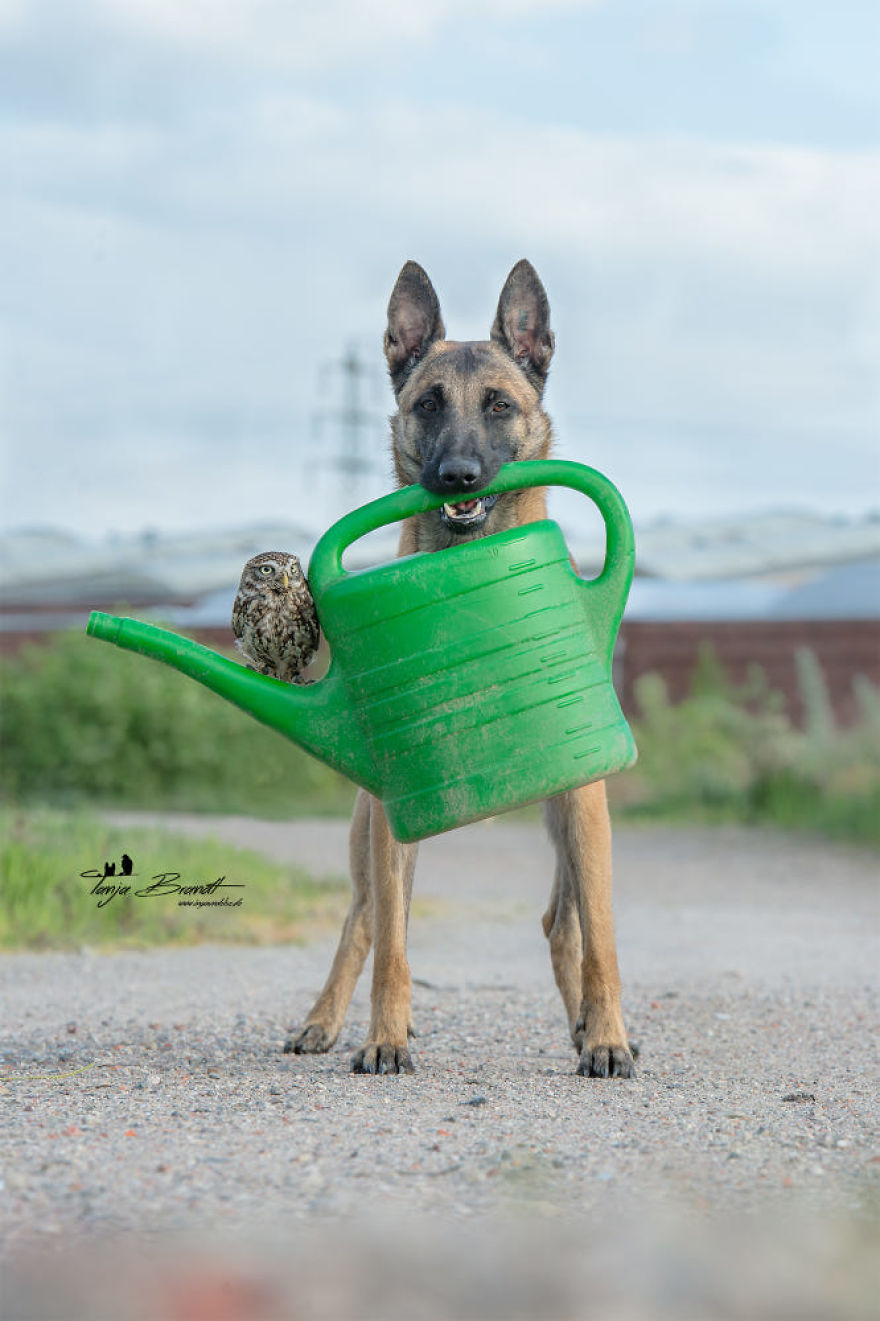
column 462, row 682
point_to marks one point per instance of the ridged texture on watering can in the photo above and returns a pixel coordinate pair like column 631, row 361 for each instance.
column 498, row 691
column 463, row 682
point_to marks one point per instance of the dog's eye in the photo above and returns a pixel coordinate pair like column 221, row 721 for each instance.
column 428, row 405
column 500, row 406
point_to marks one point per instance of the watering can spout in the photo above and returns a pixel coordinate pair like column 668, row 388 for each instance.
column 315, row 715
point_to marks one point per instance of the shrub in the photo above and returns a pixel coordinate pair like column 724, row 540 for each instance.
column 82, row 722
column 733, row 753
column 85, row 722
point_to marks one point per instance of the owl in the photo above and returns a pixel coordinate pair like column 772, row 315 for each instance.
column 274, row 618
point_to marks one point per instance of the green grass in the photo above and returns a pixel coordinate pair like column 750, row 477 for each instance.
column 45, row 903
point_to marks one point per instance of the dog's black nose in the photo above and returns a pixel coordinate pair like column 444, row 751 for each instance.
column 458, row 473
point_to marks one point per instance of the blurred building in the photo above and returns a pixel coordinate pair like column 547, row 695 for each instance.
column 51, row 580
column 756, row 588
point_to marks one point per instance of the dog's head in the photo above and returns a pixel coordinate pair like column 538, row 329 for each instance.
column 466, row 408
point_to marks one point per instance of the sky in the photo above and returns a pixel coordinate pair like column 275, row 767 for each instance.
column 205, row 203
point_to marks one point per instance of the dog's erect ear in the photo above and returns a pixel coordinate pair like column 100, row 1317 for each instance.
column 414, row 323
column 522, row 323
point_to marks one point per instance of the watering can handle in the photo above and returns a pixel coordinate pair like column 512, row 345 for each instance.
column 326, row 562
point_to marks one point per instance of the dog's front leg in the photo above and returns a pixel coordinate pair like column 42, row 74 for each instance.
column 392, row 865
column 580, row 828
column 321, row 1028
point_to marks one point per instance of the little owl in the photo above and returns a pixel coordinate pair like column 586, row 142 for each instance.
column 274, row 618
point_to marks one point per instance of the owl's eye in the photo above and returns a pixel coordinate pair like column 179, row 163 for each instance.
column 267, row 569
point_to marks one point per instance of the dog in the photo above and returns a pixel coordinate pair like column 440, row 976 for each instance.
column 463, row 410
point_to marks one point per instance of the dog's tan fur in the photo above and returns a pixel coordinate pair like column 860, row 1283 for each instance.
column 579, row 923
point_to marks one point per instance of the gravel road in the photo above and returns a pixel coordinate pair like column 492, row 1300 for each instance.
column 735, row 1175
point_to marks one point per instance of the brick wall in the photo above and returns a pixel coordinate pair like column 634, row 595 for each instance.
column 843, row 648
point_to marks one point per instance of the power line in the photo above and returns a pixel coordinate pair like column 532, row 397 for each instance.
column 355, row 422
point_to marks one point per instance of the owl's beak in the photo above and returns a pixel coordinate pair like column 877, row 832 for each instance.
column 286, row 580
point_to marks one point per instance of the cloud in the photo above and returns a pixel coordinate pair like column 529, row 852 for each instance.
column 181, row 277
column 297, row 38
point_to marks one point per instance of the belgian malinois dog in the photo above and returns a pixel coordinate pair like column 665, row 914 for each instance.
column 463, row 410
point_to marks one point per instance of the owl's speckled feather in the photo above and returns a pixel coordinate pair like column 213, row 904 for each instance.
column 274, row 618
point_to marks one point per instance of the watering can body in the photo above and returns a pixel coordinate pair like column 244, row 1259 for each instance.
column 462, row 682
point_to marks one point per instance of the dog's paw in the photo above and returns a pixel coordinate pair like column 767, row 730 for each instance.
column 606, row 1062
column 382, row 1059
column 313, row 1039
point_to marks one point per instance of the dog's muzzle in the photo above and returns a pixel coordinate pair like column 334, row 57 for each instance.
column 467, row 515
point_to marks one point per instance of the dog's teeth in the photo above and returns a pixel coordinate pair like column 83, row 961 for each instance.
column 464, row 511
